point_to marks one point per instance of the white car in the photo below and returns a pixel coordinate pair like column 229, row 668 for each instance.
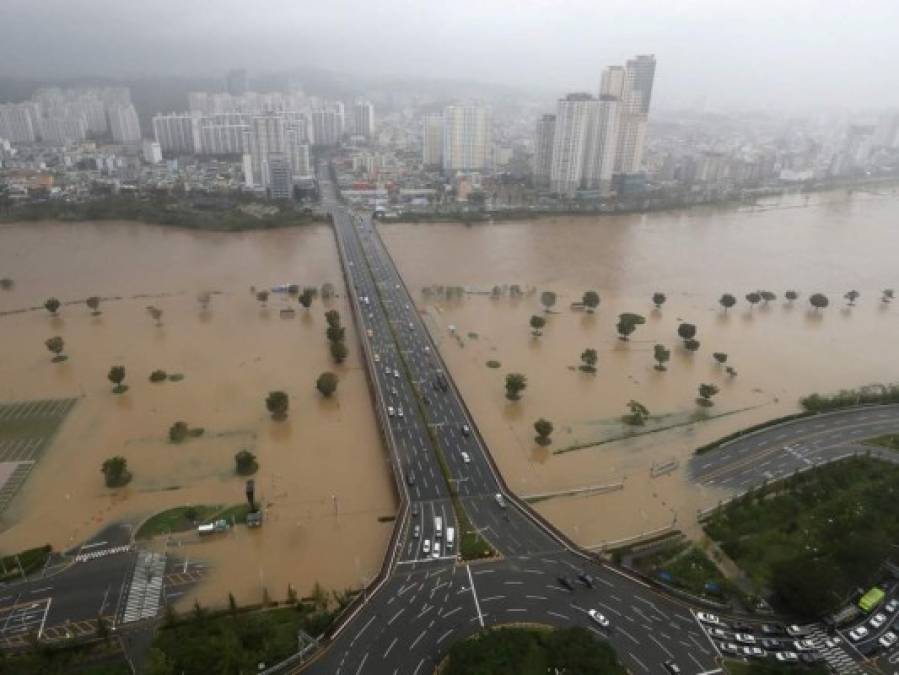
column 377, row 358
column 804, row 645
column 787, row 657
column 888, row 639
column 435, row 553
column 858, row 633
column 499, row 500
column 598, row 618
column 753, row 652
column 878, row 620
column 891, row 606
column 794, row 630
column 708, row 618
column 745, row 638
column 426, row 546
column 718, row 633
column 830, row 643
column 390, row 411
column 399, row 411
column 387, row 371
column 396, row 373
column 465, row 457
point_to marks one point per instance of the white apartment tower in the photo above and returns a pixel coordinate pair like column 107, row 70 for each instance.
column 268, row 137
column 543, row 149
column 573, row 131
column 364, row 119
column 602, row 144
column 632, row 85
column 124, row 124
column 16, row 124
column 432, row 140
column 467, row 138
column 177, row 133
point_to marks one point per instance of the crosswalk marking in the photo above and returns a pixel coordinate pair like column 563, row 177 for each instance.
column 146, row 587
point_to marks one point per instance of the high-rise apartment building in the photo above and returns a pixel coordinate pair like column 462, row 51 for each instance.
column 151, row 151
column 280, row 176
column 177, row 133
column 124, row 124
column 602, row 144
column 364, row 119
column 467, row 138
column 573, row 130
column 543, row 149
column 432, row 140
column 268, row 137
column 635, row 96
column 16, row 124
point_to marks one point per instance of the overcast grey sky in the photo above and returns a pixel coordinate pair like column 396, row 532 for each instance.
column 753, row 54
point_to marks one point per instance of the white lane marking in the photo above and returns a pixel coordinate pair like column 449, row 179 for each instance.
column 359, row 634
column 662, row 647
column 390, row 647
column 396, row 616
column 638, row 661
column 416, row 641
column 362, row 663
column 561, row 616
column 627, row 635
column 475, row 596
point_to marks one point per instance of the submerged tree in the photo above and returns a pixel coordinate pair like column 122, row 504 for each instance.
column 851, row 297
column 332, row 316
column 888, row 294
column 7, row 284
column 627, row 324
column 93, row 303
column 638, row 414
column 56, row 344
column 658, row 299
column 305, row 298
column 116, row 375
column 515, row 384
column 706, row 391
column 547, row 299
column 720, row 357
column 52, row 305
column 115, row 471
column 727, row 301
column 818, row 301
column 326, row 384
column 661, row 354
column 589, row 359
column 686, row 331
column 339, row 352
column 262, row 297
column 591, row 300
column 753, row 298
column 791, row 296
column 245, row 463
column 691, row 345
column 767, row 296
column 156, row 314
column 277, row 403
column 543, row 428
column 537, row 323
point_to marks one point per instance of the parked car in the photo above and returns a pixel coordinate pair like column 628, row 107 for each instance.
column 891, row 606
column 586, row 579
column 598, row 618
column 858, row 633
column 753, row 652
column 888, row 639
column 796, row 631
column 741, row 626
column 787, row 657
column 565, row 582
column 728, row 648
column 804, row 645
column 426, row 546
column 810, row 657
column 745, row 638
column 772, row 644
column 832, row 642
column 708, row 618
column 719, row 633
column 878, row 620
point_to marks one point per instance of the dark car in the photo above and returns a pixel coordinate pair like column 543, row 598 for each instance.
column 742, row 627
column 772, row 629
column 565, row 582
column 772, row 644
column 672, row 668
column 410, row 478
column 586, row 579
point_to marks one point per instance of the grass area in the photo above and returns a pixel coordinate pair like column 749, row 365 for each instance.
column 233, row 642
column 533, row 651
column 771, row 668
column 183, row 518
column 30, row 560
column 888, row 441
column 849, row 398
column 685, row 566
column 815, row 538
column 95, row 658
column 166, row 210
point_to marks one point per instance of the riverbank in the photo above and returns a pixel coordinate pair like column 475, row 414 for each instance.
column 195, row 214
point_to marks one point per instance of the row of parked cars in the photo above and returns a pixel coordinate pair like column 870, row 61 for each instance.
column 786, row 644
column 878, row 621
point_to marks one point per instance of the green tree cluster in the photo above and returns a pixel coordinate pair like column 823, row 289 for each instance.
column 336, row 335
column 515, row 384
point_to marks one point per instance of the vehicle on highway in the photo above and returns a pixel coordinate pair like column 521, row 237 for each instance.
column 370, row 333
column 466, row 430
column 787, row 657
column 465, row 457
column 387, row 371
column 415, row 509
column 394, row 391
column 586, row 579
column 438, row 527
column 399, row 411
column 450, row 538
column 411, row 327
column 396, row 373
column 426, row 546
column 796, row 631
column 804, row 645
column 390, row 410
column 440, row 381
column 377, row 358
column 772, row 644
column 745, row 638
column 416, row 531
column 672, row 668
column 410, row 478
column 598, row 618
column 753, row 652
column 499, row 500
column 565, row 582
column 888, row 639
column 719, row 633
column 858, row 633
column 435, row 552
column 878, row 620
column 705, row 617
column 427, row 349
column 728, row 648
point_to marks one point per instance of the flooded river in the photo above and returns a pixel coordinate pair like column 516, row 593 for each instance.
column 322, row 473
column 828, row 242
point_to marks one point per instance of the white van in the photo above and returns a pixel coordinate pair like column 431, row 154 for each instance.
column 438, row 527
column 450, row 538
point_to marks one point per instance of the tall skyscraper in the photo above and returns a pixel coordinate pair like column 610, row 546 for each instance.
column 432, row 140
column 280, row 176
column 16, row 124
column 635, row 94
column 124, row 124
column 327, row 126
column 602, row 144
column 268, row 137
column 543, row 149
column 364, row 119
column 236, row 81
column 178, row 133
column 574, row 126
column 467, row 138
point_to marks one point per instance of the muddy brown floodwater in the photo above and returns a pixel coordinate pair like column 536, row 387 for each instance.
column 231, row 356
column 829, row 242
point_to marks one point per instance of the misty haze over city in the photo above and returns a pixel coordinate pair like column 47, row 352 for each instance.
column 409, row 337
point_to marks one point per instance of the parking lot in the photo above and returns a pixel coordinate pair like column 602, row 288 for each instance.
column 21, row 618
